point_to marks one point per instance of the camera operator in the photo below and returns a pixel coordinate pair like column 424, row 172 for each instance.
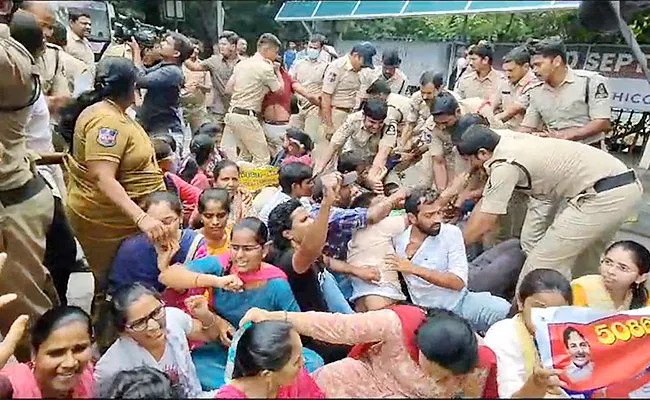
column 26, row 203
column 160, row 111
column 50, row 67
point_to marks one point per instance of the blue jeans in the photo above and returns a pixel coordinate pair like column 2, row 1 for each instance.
column 335, row 300
column 481, row 309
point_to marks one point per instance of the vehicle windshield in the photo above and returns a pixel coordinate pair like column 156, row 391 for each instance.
column 98, row 10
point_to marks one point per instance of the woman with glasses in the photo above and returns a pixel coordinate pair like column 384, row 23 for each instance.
column 264, row 286
column 156, row 336
column 620, row 286
column 139, row 260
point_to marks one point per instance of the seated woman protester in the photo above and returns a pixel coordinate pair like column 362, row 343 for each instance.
column 265, row 286
column 193, row 168
column 137, row 259
column 226, row 176
column 139, row 383
column 265, row 361
column 519, row 372
column 296, row 147
column 214, row 208
column 621, row 284
column 156, row 336
column 399, row 352
column 61, row 368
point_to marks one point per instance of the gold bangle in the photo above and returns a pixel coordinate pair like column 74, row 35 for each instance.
column 140, row 218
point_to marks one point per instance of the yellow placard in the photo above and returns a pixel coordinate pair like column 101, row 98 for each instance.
column 259, row 178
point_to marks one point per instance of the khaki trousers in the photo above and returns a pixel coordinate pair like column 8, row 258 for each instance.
column 309, row 121
column 585, row 225
column 24, row 230
column 246, row 133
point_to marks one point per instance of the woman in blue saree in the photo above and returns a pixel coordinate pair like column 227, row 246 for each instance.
column 264, row 286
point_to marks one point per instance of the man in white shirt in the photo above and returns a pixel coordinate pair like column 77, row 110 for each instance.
column 431, row 256
column 295, row 183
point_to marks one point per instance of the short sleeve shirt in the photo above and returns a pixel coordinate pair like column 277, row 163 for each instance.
column 309, row 74
column 220, row 72
column 352, row 136
column 470, row 85
column 342, row 82
column 104, row 133
column 565, row 106
column 305, row 286
column 254, row 78
column 507, row 94
column 52, row 72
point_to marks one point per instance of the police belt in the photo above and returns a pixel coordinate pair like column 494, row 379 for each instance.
column 613, row 182
column 243, row 111
column 30, row 189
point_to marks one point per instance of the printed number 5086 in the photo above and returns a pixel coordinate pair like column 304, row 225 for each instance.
column 608, row 334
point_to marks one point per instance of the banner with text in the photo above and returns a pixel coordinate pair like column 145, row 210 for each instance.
column 628, row 86
column 602, row 355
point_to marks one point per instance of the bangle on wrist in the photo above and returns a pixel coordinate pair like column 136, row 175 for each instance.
column 140, row 218
column 196, row 280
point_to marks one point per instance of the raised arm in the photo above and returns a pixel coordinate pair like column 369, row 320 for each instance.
column 368, row 327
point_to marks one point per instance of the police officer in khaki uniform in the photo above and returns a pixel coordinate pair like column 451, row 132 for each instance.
column 50, row 67
column 445, row 113
column 79, row 74
column 398, row 106
column 252, row 79
column 390, row 71
column 366, row 133
column 26, row 203
column 309, row 72
column 431, row 83
column 483, row 80
column 341, row 85
column 600, row 190
column 512, row 97
column 572, row 105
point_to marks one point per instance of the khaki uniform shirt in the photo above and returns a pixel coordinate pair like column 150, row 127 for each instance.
column 197, row 97
column 441, row 144
column 398, row 109
column 419, row 110
column 508, row 93
column 254, row 78
column 73, row 69
column 565, row 106
column 470, row 85
column 543, row 168
column 51, row 69
column 220, row 72
column 118, row 50
column 17, row 87
column 104, row 133
column 80, row 49
column 398, row 83
column 342, row 82
column 353, row 136
column 309, row 74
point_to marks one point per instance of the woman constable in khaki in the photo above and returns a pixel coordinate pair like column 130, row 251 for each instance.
column 111, row 165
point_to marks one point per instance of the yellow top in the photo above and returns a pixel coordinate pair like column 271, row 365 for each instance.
column 590, row 291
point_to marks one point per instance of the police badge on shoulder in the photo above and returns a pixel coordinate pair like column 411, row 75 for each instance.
column 107, row 137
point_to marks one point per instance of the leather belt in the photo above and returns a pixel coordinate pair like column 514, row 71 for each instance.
column 347, row 110
column 613, row 182
column 25, row 192
column 243, row 111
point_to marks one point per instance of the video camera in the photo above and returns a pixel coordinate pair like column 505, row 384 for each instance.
column 124, row 28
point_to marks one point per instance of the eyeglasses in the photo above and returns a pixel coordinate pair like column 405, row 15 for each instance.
column 246, row 249
column 141, row 324
column 608, row 262
column 169, row 220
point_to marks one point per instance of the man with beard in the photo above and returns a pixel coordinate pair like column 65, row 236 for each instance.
column 483, row 80
column 390, row 72
column 431, row 83
column 581, row 367
column 431, row 261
